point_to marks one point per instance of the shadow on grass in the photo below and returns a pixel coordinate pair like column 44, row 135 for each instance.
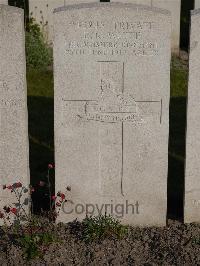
column 41, row 138
column 176, row 167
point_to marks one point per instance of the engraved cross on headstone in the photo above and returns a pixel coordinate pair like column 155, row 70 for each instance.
column 113, row 109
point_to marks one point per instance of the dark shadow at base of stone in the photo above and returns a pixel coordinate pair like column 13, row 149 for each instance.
column 176, row 168
column 175, row 190
column 41, row 141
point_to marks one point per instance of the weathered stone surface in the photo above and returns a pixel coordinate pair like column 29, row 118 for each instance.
column 197, row 4
column 3, row 2
column 13, row 101
column 174, row 6
column 192, row 180
column 112, row 88
column 138, row 2
column 73, row 2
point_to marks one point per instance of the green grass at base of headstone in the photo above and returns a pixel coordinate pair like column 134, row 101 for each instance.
column 179, row 76
column 40, row 82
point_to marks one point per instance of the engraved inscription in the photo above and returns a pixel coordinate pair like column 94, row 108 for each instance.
column 117, row 38
column 196, row 203
column 10, row 107
column 8, row 102
column 112, row 113
column 113, row 105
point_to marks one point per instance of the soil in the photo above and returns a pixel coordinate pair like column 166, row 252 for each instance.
column 175, row 244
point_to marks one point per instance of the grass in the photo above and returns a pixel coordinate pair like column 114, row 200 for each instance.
column 40, row 83
column 41, row 132
column 179, row 76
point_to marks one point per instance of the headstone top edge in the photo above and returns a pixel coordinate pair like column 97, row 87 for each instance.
column 195, row 12
column 109, row 5
column 12, row 8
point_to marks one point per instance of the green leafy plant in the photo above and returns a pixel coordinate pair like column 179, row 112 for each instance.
column 38, row 52
column 29, row 246
column 100, row 227
column 196, row 240
column 34, row 244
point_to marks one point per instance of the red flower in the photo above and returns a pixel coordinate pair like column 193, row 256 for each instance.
column 9, row 187
column 19, row 184
column 50, row 166
column 14, row 210
column 53, row 197
column 62, row 196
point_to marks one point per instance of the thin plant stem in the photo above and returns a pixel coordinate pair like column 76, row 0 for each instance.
column 49, row 187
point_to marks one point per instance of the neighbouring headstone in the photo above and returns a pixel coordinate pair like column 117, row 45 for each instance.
column 192, row 179
column 42, row 12
column 112, row 89
column 3, row 2
column 174, row 6
column 73, row 2
column 197, row 4
column 138, row 2
column 14, row 152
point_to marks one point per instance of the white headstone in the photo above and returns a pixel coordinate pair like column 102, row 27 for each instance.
column 138, row 2
column 3, row 2
column 197, row 4
column 112, row 89
column 192, row 179
column 174, row 6
column 14, row 152
column 73, row 2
